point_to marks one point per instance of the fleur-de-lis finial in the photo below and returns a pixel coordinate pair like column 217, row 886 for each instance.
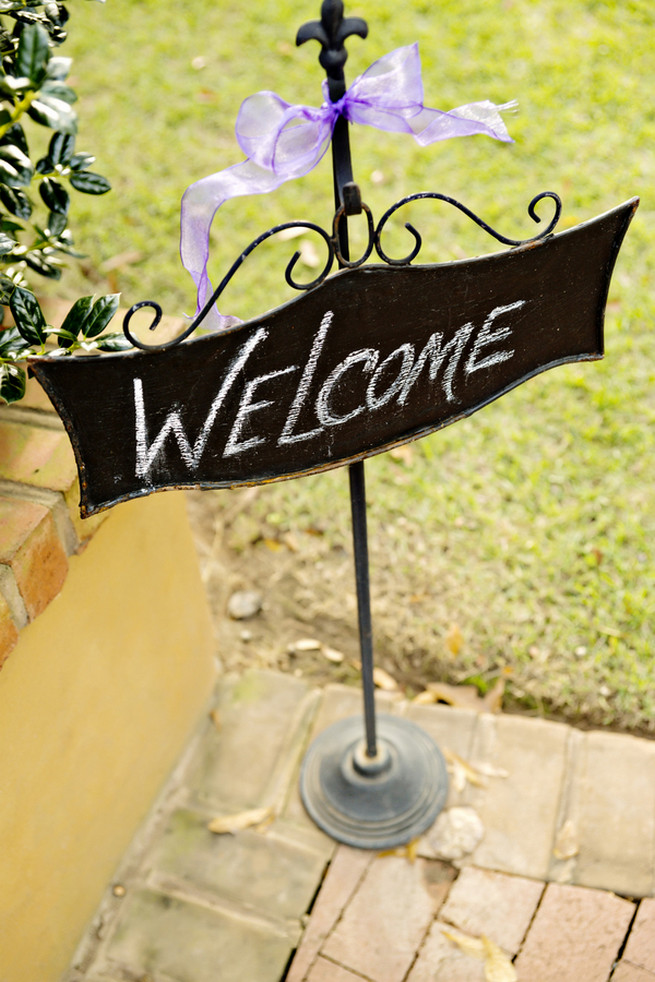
column 331, row 31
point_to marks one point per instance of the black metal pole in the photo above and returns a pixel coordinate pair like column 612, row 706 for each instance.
column 331, row 31
column 360, row 544
column 369, row 794
column 342, row 172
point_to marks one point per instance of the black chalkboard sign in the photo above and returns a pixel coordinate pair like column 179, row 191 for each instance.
column 371, row 358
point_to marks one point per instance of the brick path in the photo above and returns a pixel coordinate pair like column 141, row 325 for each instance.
column 189, row 906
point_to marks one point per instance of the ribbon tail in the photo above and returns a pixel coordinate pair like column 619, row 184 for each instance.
column 200, row 203
column 432, row 125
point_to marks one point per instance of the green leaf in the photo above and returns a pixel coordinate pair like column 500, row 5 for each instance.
column 6, row 225
column 8, row 173
column 28, row 316
column 54, row 113
column 12, row 86
column 16, row 166
column 76, row 318
column 58, row 67
column 55, row 196
column 12, row 382
column 64, row 338
column 37, row 261
column 12, row 343
column 16, row 202
column 113, row 342
column 58, row 90
column 57, row 224
column 15, row 137
column 61, row 147
column 6, row 290
column 101, row 313
column 80, row 161
column 7, row 243
column 33, row 53
column 90, row 183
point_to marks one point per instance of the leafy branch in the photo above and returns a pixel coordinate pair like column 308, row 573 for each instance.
column 34, row 90
column 82, row 329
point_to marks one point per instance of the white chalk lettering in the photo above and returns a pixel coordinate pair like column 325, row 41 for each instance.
column 191, row 455
column 363, row 381
column 406, row 353
column 487, row 337
column 288, row 436
column 325, row 415
column 246, row 408
column 436, row 354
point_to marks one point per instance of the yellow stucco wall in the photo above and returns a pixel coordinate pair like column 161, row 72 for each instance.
column 96, row 703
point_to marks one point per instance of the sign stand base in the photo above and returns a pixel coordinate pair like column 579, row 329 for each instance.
column 374, row 803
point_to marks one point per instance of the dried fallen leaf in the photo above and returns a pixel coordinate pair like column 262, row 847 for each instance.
column 454, row 639
column 470, row 946
column 336, row 657
column 410, row 851
column 253, row 817
column 457, row 778
column 384, row 681
column 308, row 644
column 462, row 771
column 489, row 770
column 468, row 697
column 461, row 696
column 566, row 844
column 493, row 699
column 425, row 698
column 291, row 542
column 497, row 965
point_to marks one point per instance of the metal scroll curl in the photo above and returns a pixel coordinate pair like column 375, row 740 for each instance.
column 332, row 243
column 418, row 242
column 200, row 317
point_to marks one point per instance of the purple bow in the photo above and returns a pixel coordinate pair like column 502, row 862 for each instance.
column 282, row 142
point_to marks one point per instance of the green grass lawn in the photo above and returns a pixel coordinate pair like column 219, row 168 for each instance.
column 531, row 525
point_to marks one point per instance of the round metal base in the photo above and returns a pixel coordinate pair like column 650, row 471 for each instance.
column 374, row 803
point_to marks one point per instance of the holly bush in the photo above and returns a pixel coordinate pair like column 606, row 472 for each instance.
column 35, row 194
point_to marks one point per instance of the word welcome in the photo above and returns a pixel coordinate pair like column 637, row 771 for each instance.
column 363, row 379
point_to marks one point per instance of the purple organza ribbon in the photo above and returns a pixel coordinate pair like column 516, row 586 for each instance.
column 282, row 142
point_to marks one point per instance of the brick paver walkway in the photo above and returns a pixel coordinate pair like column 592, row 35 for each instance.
column 560, row 883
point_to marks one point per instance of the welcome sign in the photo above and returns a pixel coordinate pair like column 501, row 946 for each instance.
column 372, row 358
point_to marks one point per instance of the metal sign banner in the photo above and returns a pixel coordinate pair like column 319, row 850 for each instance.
column 371, row 358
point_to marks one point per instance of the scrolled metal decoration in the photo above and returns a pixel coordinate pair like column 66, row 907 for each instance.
column 197, row 321
column 418, row 242
column 344, row 262
column 334, row 252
